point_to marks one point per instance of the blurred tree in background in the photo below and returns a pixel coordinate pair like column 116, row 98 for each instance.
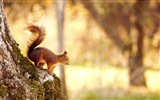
column 118, row 19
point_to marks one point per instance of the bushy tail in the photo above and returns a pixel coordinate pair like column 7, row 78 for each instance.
column 38, row 35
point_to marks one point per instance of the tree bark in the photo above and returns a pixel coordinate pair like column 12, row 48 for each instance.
column 19, row 78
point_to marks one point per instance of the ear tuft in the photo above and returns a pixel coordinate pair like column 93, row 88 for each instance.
column 65, row 52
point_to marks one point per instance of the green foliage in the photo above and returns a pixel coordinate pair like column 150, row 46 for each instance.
column 91, row 96
column 144, row 97
column 134, row 96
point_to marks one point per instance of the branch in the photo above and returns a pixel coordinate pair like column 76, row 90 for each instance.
column 110, row 32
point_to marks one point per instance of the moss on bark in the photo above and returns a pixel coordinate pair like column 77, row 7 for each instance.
column 53, row 89
column 25, row 84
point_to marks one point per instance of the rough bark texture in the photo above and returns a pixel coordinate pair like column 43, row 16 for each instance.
column 19, row 78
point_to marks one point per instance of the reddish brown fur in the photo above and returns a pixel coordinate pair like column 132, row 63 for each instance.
column 42, row 55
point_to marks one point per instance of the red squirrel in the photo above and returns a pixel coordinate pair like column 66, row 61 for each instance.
column 42, row 55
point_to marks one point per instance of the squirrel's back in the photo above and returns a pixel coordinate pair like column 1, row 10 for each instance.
column 35, row 40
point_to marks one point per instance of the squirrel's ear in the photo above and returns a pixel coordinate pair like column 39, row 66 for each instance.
column 66, row 51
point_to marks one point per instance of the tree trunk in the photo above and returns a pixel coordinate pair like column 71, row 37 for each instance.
column 136, row 69
column 20, row 79
column 135, row 61
column 60, row 20
column 136, row 72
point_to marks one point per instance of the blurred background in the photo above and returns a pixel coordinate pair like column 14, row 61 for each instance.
column 113, row 45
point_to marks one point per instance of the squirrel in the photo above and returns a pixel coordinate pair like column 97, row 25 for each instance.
column 42, row 55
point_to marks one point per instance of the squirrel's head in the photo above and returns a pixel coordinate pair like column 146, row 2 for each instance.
column 64, row 58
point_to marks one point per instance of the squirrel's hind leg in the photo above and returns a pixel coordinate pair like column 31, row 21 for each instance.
column 40, row 60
